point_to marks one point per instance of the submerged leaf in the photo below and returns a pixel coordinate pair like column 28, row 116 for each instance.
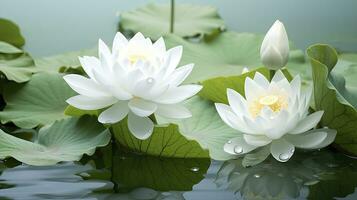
column 39, row 102
column 64, row 140
column 10, row 33
column 153, row 20
column 332, row 96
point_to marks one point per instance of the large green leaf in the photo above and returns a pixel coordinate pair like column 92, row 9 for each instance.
column 343, row 77
column 225, row 55
column 6, row 48
column 162, row 174
column 40, row 101
column 153, row 20
column 69, row 59
column 64, row 140
column 332, row 96
column 186, row 138
column 15, row 64
column 166, row 141
column 206, row 127
column 10, row 33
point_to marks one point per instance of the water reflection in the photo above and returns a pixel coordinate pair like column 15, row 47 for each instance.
column 118, row 175
column 52, row 182
column 317, row 175
column 141, row 194
column 130, row 171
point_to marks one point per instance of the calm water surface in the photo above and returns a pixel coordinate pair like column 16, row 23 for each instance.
column 116, row 175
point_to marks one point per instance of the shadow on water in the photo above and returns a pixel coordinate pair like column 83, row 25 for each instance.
column 107, row 175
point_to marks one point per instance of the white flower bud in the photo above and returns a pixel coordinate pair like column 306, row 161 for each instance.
column 274, row 51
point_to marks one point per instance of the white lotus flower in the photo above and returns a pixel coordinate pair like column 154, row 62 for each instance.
column 274, row 51
column 273, row 113
column 137, row 78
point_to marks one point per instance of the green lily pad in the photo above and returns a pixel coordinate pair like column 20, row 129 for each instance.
column 10, row 33
column 39, row 102
column 206, row 127
column 15, row 64
column 64, row 140
column 165, row 141
column 332, row 96
column 56, row 62
column 344, row 74
column 225, row 55
column 162, row 174
column 75, row 112
column 6, row 48
column 196, row 137
column 153, row 20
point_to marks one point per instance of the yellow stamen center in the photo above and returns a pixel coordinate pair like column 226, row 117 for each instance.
column 135, row 57
column 269, row 100
column 136, row 51
column 274, row 102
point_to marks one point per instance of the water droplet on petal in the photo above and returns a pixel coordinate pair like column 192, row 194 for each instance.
column 229, row 142
column 195, row 169
column 292, row 150
column 238, row 149
column 284, row 157
column 256, row 176
column 150, row 80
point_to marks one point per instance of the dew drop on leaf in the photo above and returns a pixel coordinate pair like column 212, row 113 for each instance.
column 238, row 149
column 256, row 175
column 195, row 169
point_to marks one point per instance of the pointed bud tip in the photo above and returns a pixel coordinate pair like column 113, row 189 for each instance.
column 274, row 51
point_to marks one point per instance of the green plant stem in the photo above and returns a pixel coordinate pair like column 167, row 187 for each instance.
column 172, row 17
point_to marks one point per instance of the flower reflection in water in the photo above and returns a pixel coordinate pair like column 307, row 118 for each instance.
column 320, row 175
